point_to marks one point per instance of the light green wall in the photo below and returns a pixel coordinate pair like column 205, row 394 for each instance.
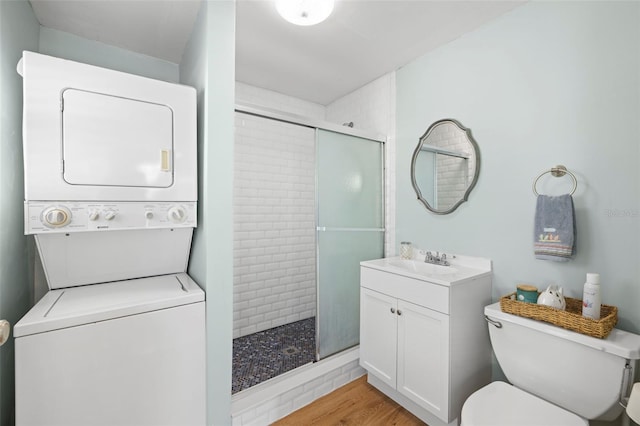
column 69, row 46
column 209, row 65
column 18, row 31
column 548, row 83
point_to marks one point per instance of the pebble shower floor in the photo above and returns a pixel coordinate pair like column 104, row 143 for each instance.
column 266, row 354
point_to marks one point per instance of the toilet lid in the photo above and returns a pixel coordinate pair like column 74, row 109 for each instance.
column 501, row 404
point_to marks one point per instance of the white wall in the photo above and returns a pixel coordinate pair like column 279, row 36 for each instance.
column 372, row 107
column 274, row 207
column 252, row 95
column 274, row 224
column 545, row 84
column 18, row 31
column 274, row 237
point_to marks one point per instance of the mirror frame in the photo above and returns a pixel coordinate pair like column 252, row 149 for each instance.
column 476, row 152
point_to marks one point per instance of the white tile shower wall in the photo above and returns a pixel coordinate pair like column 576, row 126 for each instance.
column 372, row 108
column 286, row 403
column 452, row 173
column 274, row 224
column 248, row 94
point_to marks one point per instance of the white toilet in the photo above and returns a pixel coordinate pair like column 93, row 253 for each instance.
column 558, row 377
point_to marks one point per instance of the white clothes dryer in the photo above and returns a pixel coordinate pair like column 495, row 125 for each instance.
column 91, row 133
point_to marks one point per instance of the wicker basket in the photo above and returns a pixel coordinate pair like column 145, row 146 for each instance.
column 571, row 318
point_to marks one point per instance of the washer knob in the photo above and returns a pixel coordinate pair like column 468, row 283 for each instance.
column 56, row 217
column 94, row 215
column 177, row 214
column 148, row 214
column 109, row 214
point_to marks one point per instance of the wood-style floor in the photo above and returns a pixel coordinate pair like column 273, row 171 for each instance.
column 357, row 403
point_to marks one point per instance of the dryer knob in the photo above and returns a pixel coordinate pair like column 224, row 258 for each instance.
column 94, row 215
column 148, row 214
column 177, row 214
column 56, row 217
column 109, row 214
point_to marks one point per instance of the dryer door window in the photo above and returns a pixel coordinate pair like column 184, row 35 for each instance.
column 114, row 141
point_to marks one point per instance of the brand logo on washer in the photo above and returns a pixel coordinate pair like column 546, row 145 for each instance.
column 103, row 227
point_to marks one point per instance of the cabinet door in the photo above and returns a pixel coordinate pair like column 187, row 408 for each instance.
column 378, row 335
column 423, row 357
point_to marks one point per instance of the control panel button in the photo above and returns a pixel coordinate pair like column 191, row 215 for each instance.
column 177, row 214
column 56, row 216
column 66, row 216
column 109, row 214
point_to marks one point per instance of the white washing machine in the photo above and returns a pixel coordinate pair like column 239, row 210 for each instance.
column 110, row 197
column 121, row 353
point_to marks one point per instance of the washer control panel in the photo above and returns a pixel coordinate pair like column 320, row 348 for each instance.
column 69, row 216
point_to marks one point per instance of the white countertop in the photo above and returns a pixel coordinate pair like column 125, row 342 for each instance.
column 462, row 269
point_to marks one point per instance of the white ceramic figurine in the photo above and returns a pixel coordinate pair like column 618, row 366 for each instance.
column 552, row 297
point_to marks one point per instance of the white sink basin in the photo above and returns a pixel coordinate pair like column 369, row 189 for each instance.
column 462, row 269
column 422, row 268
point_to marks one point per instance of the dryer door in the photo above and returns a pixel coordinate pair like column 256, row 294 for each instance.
column 115, row 141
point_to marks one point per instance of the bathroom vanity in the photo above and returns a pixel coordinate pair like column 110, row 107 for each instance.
column 423, row 337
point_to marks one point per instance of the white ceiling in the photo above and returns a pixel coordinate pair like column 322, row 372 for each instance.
column 361, row 40
column 158, row 28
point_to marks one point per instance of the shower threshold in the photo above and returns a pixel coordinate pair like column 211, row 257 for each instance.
column 266, row 354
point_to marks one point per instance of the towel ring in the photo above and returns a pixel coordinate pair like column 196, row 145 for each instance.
column 557, row 171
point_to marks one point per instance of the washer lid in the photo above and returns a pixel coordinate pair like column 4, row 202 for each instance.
column 75, row 306
column 501, row 404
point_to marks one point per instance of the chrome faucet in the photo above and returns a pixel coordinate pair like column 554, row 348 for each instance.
column 437, row 259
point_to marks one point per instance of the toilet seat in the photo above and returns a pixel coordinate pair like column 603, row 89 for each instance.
column 501, row 404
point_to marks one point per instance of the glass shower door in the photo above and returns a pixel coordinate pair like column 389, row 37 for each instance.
column 350, row 229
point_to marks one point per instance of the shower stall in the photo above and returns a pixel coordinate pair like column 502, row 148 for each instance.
column 308, row 207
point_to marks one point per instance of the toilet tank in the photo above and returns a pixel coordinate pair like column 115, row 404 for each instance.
column 580, row 373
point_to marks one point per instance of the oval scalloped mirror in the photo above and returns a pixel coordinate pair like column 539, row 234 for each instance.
column 445, row 166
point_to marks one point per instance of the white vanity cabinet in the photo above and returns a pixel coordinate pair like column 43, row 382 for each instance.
column 406, row 346
column 423, row 339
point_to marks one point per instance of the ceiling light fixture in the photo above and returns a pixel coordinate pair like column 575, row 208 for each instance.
column 305, row 12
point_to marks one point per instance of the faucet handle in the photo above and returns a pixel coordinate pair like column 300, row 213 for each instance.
column 428, row 256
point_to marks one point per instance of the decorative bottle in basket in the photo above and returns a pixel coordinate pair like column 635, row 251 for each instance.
column 591, row 297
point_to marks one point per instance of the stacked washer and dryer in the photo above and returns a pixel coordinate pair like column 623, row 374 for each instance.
column 110, row 197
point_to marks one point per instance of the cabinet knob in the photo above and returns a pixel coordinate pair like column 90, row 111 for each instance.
column 393, row 311
column 399, row 312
